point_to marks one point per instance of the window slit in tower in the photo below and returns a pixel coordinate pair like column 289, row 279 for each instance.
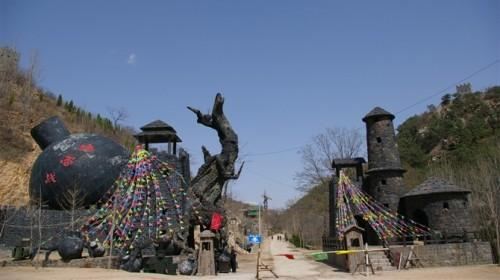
column 379, row 140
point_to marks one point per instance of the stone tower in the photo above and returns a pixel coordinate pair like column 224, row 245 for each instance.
column 385, row 174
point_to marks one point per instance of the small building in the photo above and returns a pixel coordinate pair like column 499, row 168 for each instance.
column 339, row 164
column 353, row 238
column 356, row 163
column 159, row 132
column 206, row 257
column 440, row 205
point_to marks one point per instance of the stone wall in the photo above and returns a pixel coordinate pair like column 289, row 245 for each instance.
column 454, row 219
column 386, row 186
column 23, row 223
column 452, row 254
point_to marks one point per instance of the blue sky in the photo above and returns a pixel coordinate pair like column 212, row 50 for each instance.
column 288, row 69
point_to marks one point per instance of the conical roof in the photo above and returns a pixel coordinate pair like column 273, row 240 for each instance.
column 435, row 185
column 158, row 125
column 157, row 132
column 378, row 112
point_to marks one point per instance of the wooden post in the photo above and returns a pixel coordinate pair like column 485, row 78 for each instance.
column 258, row 262
column 367, row 262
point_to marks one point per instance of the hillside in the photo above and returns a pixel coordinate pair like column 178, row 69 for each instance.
column 307, row 218
column 23, row 105
column 458, row 140
column 456, row 132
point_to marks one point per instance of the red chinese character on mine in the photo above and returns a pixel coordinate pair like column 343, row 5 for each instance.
column 68, row 160
column 88, row 148
column 50, row 177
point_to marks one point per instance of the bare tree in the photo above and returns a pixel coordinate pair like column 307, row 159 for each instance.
column 485, row 186
column 317, row 157
column 28, row 88
column 117, row 115
column 72, row 199
column 483, row 179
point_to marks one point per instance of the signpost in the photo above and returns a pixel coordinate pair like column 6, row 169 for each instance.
column 254, row 239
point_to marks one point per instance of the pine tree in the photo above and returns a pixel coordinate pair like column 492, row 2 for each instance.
column 98, row 120
column 59, row 100
column 71, row 106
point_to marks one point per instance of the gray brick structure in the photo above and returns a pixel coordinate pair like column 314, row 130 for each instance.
column 385, row 174
column 436, row 203
column 440, row 205
column 452, row 254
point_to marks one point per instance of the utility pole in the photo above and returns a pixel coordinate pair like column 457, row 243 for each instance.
column 258, row 249
column 260, row 223
column 265, row 201
column 260, row 265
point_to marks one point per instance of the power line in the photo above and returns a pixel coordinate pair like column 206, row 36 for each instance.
column 270, row 179
column 450, row 86
column 482, row 69
column 274, row 152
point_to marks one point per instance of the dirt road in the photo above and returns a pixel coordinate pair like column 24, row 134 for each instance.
column 301, row 267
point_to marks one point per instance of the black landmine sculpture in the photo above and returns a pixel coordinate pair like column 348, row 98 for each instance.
column 82, row 165
column 70, row 246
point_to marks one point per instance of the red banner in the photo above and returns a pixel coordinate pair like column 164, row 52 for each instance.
column 216, row 222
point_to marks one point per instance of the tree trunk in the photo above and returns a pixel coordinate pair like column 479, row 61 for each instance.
column 497, row 229
column 207, row 186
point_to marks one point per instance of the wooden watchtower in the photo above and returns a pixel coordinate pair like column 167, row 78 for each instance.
column 158, row 132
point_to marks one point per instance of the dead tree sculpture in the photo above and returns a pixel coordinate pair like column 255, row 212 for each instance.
column 207, row 186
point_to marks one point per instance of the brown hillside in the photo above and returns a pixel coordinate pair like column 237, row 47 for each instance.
column 24, row 105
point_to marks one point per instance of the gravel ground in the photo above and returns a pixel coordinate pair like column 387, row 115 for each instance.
column 299, row 268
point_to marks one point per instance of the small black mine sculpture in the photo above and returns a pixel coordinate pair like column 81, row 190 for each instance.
column 79, row 165
column 69, row 246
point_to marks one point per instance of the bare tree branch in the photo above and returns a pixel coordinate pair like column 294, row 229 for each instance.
column 117, row 115
column 317, row 157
